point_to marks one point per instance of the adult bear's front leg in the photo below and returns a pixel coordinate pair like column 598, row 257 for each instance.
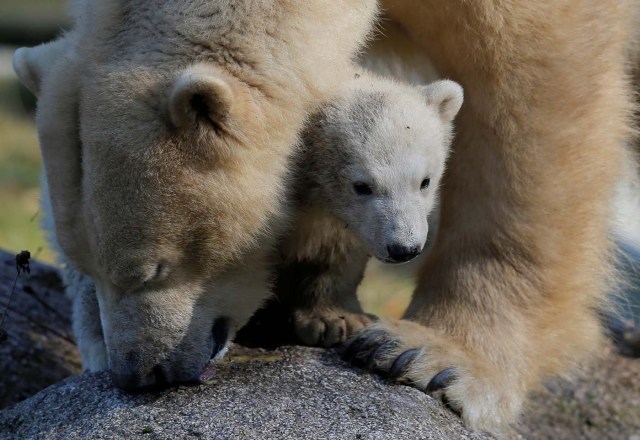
column 87, row 326
column 509, row 293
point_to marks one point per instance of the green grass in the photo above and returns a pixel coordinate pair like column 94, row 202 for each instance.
column 30, row 22
column 19, row 171
column 33, row 12
column 386, row 290
column 23, row 22
column 29, row 8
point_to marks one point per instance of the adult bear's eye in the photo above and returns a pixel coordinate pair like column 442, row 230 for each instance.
column 362, row 189
column 425, row 183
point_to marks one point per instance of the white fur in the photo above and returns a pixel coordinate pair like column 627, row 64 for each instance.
column 407, row 142
column 171, row 215
column 360, row 192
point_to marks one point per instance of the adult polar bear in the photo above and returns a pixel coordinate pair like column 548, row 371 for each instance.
column 165, row 129
column 509, row 293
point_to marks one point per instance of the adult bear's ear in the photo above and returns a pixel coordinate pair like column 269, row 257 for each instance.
column 57, row 118
column 32, row 63
column 446, row 96
column 203, row 94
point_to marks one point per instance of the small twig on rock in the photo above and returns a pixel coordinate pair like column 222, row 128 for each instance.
column 22, row 264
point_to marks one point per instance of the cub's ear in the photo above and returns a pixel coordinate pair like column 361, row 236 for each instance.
column 203, row 93
column 32, row 63
column 446, row 96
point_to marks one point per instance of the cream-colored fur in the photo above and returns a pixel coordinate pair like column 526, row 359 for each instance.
column 366, row 179
column 509, row 295
column 166, row 129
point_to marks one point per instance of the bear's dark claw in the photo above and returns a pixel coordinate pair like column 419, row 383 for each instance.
column 402, row 362
column 442, row 380
column 377, row 352
column 354, row 348
column 362, row 344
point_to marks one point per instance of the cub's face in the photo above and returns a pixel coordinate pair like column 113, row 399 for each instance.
column 392, row 150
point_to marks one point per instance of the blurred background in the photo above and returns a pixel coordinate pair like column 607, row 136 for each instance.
column 385, row 291
column 19, row 151
column 603, row 405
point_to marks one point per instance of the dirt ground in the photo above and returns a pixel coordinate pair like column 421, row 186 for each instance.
column 603, row 403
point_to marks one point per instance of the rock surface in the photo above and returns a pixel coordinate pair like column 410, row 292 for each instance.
column 292, row 392
column 289, row 393
column 37, row 349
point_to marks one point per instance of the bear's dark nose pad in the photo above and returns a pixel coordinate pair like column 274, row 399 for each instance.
column 126, row 382
column 220, row 333
column 401, row 254
column 162, row 379
column 157, row 379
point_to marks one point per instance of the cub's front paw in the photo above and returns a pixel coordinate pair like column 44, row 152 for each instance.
column 487, row 398
column 328, row 327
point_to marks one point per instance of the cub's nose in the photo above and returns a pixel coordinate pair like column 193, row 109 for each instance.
column 400, row 253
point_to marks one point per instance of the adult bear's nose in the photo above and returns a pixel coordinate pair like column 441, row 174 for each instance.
column 157, row 378
column 399, row 253
column 134, row 379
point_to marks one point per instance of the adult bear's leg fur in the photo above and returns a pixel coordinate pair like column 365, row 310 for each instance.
column 522, row 261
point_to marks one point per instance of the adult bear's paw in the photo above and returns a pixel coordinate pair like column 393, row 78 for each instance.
column 327, row 327
column 486, row 397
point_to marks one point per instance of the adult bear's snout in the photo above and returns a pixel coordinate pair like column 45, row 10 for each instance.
column 134, row 380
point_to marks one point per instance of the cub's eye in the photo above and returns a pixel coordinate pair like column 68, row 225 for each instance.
column 425, row 183
column 362, row 189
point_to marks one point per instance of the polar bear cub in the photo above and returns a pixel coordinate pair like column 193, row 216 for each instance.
column 366, row 180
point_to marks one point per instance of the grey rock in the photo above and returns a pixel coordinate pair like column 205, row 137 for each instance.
column 289, row 393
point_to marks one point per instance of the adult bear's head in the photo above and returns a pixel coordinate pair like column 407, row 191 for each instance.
column 165, row 131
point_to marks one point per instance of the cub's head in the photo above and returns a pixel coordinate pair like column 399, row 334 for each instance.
column 378, row 154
